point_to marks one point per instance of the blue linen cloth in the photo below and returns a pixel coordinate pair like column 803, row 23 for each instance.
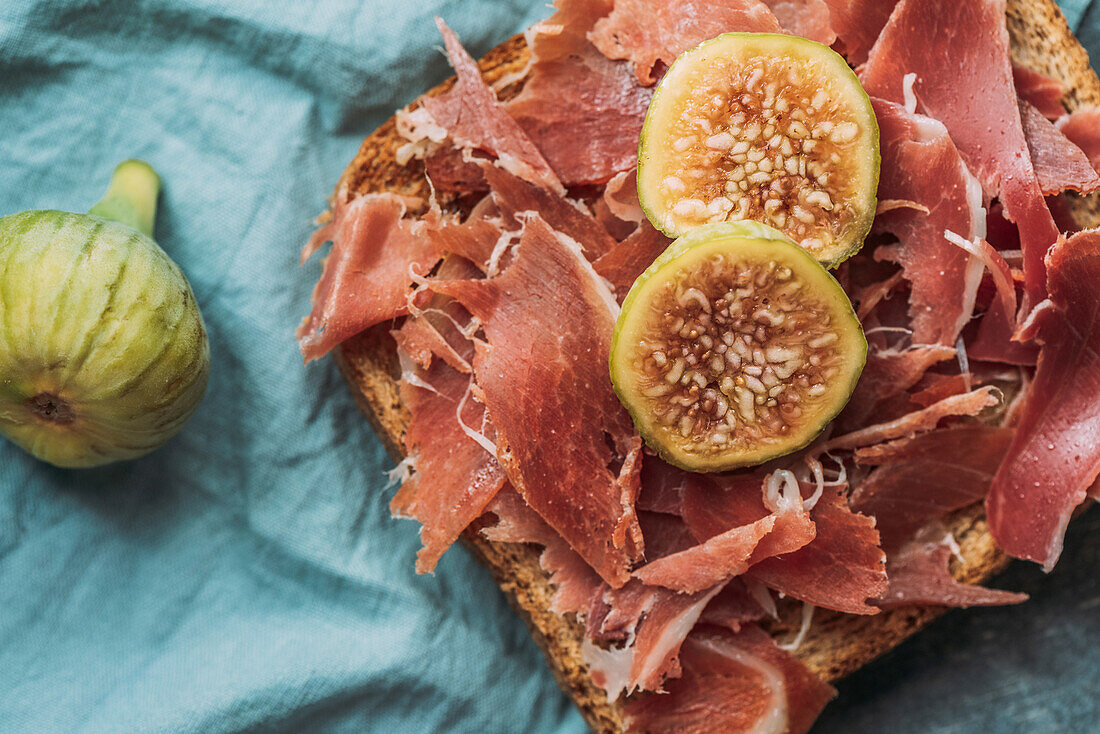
column 247, row 576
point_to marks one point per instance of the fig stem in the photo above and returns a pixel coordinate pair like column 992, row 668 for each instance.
column 131, row 197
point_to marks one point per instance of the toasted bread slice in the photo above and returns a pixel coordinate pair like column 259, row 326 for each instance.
column 837, row 644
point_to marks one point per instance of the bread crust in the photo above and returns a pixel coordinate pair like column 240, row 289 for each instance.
column 837, row 644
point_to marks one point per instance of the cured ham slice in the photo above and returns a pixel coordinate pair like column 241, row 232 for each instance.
column 733, row 607
column 712, row 562
column 1083, row 128
column 840, row 569
column 1055, row 456
column 1039, row 90
column 806, row 18
column 652, row 33
column 832, row 560
column 556, row 453
column 663, row 487
column 735, row 683
column 618, row 208
column 514, row 196
column 625, row 261
column 440, row 329
column 890, row 372
column 959, row 53
column 919, row 575
column 576, row 584
column 857, row 24
column 583, row 110
column 1059, row 164
column 657, row 621
column 926, row 477
column 921, row 164
column 365, row 279
column 712, row 507
column 967, row 404
column 454, row 476
column 474, row 119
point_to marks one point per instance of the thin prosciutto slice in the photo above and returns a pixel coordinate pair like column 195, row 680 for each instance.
column 735, row 683
column 514, row 196
column 832, row 560
column 366, row 277
column 919, row 574
column 474, row 119
column 1040, row 90
column 555, row 450
column 857, row 24
column 889, row 372
column 576, row 585
column 840, row 569
column 918, row 421
column 806, row 18
column 625, row 261
column 924, row 478
column 583, row 110
column 1059, row 164
column 920, row 164
column 714, row 506
column 652, row 32
column 715, row 560
column 959, row 53
column 1083, row 128
column 454, row 476
column 1055, row 456
column 656, row 621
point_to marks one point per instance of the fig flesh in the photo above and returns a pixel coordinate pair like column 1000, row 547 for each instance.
column 734, row 348
column 103, row 350
column 766, row 127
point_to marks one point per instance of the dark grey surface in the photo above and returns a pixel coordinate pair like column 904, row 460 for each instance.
column 1031, row 668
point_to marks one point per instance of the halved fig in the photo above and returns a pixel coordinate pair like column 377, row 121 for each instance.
column 734, row 347
column 766, row 127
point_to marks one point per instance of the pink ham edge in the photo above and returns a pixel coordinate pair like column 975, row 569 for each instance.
column 918, row 421
column 1083, row 128
column 666, row 618
column 1055, row 456
column 922, row 165
column 1040, row 90
column 840, row 569
column 576, row 585
column 1060, row 165
column 735, row 683
column 717, row 559
column 857, row 24
column 919, row 575
column 366, row 278
column 924, row 478
column 555, row 455
column 583, row 110
column 454, row 477
column 650, row 33
column 806, row 18
column 474, row 119
column 959, row 53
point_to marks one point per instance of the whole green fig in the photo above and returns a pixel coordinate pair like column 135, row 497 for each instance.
column 103, row 351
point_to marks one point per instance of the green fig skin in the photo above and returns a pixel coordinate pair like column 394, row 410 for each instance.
column 103, row 351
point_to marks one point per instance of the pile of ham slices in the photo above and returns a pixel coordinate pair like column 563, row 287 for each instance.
column 979, row 296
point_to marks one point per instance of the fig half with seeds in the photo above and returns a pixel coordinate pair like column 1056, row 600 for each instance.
column 734, row 347
column 103, row 351
column 766, row 127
